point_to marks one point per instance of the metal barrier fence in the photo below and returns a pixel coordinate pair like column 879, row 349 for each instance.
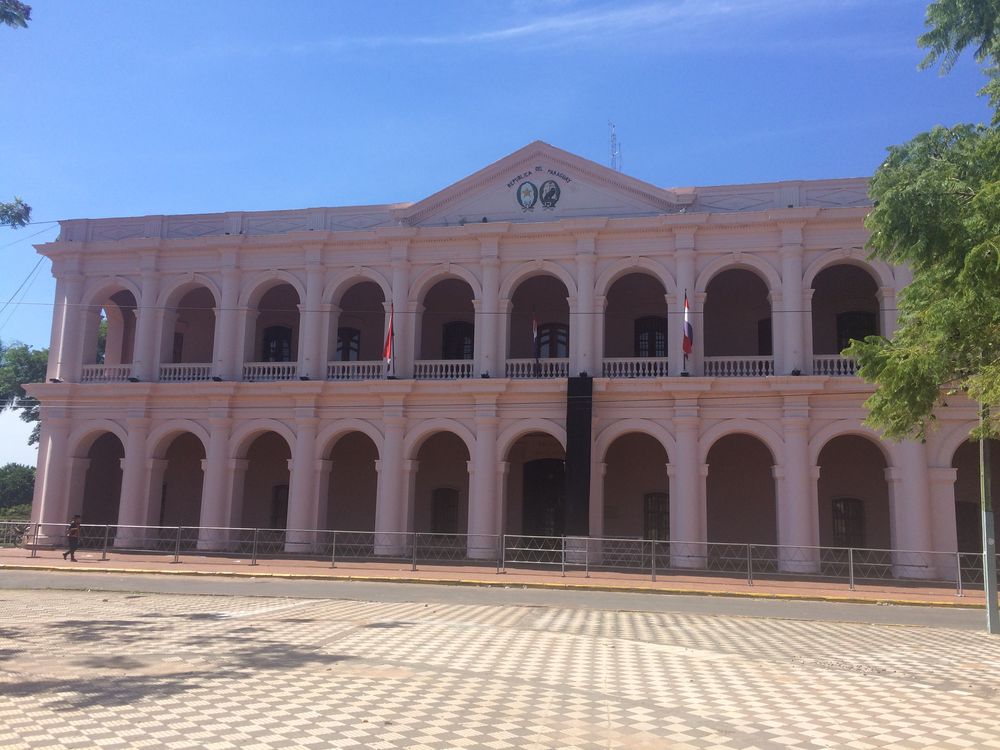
column 645, row 557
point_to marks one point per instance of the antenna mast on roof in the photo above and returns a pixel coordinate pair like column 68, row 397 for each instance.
column 616, row 149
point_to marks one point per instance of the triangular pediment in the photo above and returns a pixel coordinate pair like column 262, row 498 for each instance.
column 541, row 183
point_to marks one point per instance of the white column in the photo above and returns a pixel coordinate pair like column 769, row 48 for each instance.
column 55, row 332
column 407, row 521
column 503, row 336
column 487, row 323
column 598, row 471
column 776, row 302
column 502, row 469
column 215, row 496
column 687, row 534
column 482, row 482
column 50, row 504
column 72, row 319
column 600, row 308
column 156, row 469
column 886, row 297
column 133, row 508
column 406, row 332
column 323, row 469
column 228, row 345
column 144, row 359
column 582, row 327
column 390, row 504
column 696, row 362
column 310, row 314
column 792, row 323
column 684, row 258
column 807, row 330
column 797, row 516
column 910, row 511
column 944, row 529
column 303, row 500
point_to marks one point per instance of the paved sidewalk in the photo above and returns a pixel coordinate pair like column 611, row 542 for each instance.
column 667, row 582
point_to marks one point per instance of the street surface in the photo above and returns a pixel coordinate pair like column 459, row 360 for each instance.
column 170, row 663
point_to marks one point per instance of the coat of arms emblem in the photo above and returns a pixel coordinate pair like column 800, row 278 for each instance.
column 549, row 194
column 527, row 195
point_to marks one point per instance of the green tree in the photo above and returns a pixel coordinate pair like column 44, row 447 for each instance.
column 17, row 213
column 20, row 364
column 17, row 484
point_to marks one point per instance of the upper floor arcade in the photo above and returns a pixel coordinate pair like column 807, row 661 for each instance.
column 541, row 265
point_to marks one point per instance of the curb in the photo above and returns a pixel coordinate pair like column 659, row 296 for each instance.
column 607, row 588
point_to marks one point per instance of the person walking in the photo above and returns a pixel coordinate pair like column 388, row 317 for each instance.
column 72, row 538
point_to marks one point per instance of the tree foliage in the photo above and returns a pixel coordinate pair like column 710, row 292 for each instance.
column 17, row 484
column 20, row 364
column 14, row 13
column 937, row 209
column 15, row 214
column 956, row 25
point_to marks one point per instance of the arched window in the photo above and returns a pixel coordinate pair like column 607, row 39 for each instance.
column 348, row 344
column 444, row 511
column 848, row 522
column 553, row 341
column 456, row 340
column 651, row 336
column 656, row 516
column 277, row 344
column 854, row 325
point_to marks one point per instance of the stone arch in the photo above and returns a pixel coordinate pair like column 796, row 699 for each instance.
column 948, row 441
column 752, row 427
column 416, row 436
column 177, row 287
column 160, row 438
column 525, row 271
column 745, row 261
column 625, row 266
column 510, row 435
column 83, row 437
column 338, row 286
column 880, row 271
column 428, row 278
column 246, row 433
column 259, row 284
column 619, row 428
column 330, row 434
column 848, row 427
column 101, row 289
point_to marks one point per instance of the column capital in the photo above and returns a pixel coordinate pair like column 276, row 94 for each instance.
column 238, row 464
column 894, row 474
column 945, row 475
column 410, row 466
column 814, row 472
column 157, row 464
column 703, row 470
column 778, row 472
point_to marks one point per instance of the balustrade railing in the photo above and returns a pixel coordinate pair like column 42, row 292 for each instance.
column 631, row 556
column 185, row 372
column 442, row 369
column 635, row 367
column 834, row 364
column 375, row 370
column 257, row 371
column 105, row 373
column 542, row 368
column 738, row 367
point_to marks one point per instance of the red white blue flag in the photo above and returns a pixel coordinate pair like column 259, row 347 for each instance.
column 688, row 329
column 389, row 339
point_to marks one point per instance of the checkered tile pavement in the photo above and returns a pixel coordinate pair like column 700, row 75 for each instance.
column 108, row 671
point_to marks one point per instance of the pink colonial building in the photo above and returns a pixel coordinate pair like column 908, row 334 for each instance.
column 538, row 385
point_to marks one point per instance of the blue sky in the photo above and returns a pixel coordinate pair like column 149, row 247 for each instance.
column 117, row 109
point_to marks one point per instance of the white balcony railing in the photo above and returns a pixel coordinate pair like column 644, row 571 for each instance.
column 442, row 369
column 543, row 368
column 270, row 370
column 834, row 364
column 635, row 367
column 105, row 373
column 356, row 370
column 184, row 372
column 739, row 367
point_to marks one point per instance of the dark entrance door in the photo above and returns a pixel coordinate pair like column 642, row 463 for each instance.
column 544, row 497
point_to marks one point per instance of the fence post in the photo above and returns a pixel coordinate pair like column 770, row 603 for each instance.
column 652, row 545
column 333, row 551
column 104, row 550
column 499, row 554
column 586, row 557
column 749, row 565
column 850, row 567
column 413, row 564
column 177, row 546
column 34, row 546
column 958, row 574
column 503, row 553
column 253, row 553
column 563, row 564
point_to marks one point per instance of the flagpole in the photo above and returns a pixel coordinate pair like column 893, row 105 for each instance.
column 392, row 334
